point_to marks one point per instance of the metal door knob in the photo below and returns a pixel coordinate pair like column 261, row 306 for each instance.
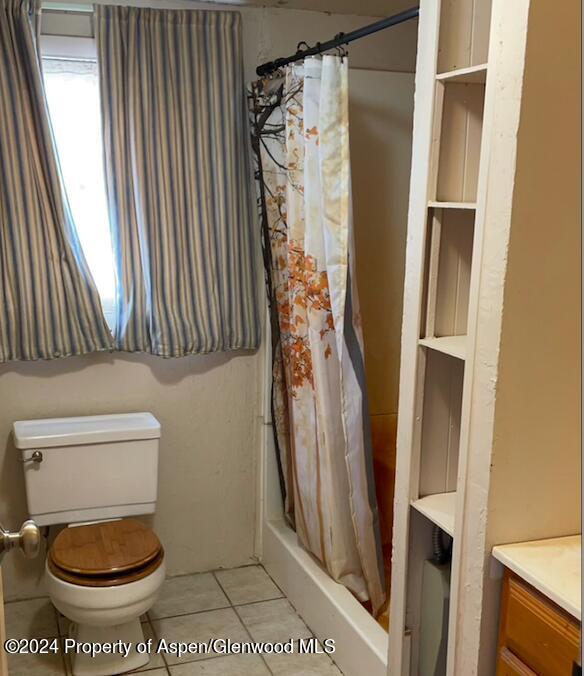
column 28, row 540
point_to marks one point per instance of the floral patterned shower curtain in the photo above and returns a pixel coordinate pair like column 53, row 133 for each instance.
column 300, row 134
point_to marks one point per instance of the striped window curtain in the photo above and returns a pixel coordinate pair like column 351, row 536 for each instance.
column 179, row 184
column 49, row 305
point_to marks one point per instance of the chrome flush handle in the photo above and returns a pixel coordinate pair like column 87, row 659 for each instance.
column 36, row 457
column 28, row 540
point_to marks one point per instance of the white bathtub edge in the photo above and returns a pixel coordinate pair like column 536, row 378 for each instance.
column 329, row 609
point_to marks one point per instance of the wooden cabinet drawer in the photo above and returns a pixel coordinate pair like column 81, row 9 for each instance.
column 536, row 631
column 510, row 665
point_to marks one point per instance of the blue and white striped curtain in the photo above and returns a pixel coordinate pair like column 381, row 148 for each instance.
column 49, row 305
column 178, row 179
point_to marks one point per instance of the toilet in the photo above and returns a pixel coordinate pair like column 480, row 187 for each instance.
column 105, row 568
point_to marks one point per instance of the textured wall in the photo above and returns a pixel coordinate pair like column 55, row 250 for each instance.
column 207, row 406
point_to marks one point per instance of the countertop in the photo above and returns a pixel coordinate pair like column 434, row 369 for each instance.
column 551, row 566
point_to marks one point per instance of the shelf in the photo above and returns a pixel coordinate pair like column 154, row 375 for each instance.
column 452, row 205
column 455, row 346
column 470, row 75
column 439, row 508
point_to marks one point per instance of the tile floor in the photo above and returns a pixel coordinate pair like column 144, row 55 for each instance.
column 241, row 604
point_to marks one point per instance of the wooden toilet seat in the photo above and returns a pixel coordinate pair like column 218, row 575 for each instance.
column 105, row 554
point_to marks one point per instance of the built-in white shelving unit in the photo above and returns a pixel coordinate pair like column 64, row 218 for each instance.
column 452, row 205
column 439, row 509
column 455, row 346
column 470, row 75
column 445, row 203
column 467, row 338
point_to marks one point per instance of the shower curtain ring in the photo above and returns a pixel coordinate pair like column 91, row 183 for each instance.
column 340, row 48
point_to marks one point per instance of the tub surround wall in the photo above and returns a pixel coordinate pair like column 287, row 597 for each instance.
column 381, row 114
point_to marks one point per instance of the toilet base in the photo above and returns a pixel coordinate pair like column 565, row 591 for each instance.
column 103, row 664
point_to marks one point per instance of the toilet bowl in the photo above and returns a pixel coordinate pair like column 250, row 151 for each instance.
column 104, row 569
column 104, row 577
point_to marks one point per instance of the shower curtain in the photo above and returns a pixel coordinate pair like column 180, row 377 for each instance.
column 300, row 136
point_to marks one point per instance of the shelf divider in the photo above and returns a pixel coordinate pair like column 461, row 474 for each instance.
column 455, row 346
column 470, row 75
column 439, row 509
column 452, row 205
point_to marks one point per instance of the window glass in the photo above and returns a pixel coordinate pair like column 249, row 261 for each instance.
column 72, row 90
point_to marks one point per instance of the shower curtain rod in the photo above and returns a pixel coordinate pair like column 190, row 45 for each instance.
column 338, row 40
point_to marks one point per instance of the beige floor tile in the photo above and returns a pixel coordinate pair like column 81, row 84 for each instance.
column 248, row 584
column 273, row 621
column 200, row 627
column 306, row 664
column 233, row 665
column 188, row 594
column 154, row 667
column 50, row 664
column 36, row 618
column 64, row 623
column 192, row 608
column 156, row 660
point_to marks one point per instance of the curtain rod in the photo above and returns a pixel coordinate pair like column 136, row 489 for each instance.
column 338, row 40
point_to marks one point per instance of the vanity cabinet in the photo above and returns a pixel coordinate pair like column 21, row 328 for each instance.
column 535, row 635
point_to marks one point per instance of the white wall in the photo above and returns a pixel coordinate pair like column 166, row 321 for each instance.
column 208, row 405
column 269, row 33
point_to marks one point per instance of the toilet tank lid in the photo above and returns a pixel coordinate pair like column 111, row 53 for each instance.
column 89, row 429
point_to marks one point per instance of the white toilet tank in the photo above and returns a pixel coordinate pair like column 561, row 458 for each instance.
column 89, row 468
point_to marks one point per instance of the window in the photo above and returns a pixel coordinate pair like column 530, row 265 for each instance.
column 72, row 90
